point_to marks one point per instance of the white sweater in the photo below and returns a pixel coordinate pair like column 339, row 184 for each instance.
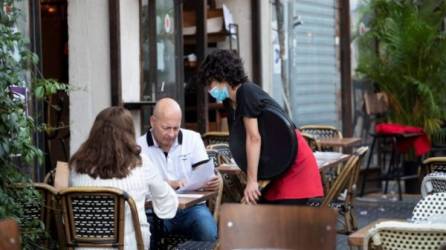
column 142, row 181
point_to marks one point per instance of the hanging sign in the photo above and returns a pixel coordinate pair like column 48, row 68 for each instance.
column 167, row 23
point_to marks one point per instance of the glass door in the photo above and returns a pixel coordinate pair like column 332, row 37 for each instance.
column 161, row 51
column 166, row 49
column 161, row 47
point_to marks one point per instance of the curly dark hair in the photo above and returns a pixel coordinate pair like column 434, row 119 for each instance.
column 110, row 150
column 222, row 65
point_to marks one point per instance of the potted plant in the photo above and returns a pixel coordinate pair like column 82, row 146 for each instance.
column 402, row 49
column 16, row 126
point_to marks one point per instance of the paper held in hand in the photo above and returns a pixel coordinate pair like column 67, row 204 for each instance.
column 200, row 175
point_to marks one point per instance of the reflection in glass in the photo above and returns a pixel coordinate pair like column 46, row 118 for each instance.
column 165, row 47
column 147, row 86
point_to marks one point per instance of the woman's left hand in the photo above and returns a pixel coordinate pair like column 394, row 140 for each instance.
column 252, row 192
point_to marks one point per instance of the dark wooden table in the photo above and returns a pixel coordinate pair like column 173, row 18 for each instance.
column 276, row 227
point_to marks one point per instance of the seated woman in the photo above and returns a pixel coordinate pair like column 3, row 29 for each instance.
column 110, row 157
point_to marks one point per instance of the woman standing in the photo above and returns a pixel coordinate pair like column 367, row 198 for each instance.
column 222, row 72
column 110, row 157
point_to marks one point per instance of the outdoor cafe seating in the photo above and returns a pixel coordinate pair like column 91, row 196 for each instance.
column 340, row 199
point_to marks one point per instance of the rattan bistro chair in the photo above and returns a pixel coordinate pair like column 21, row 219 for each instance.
column 398, row 235
column 49, row 177
column 95, row 217
column 344, row 182
column 45, row 209
column 224, row 153
column 433, row 164
column 234, row 184
column 215, row 137
column 312, row 142
column 338, row 187
column 214, row 204
column 322, row 132
column 433, row 183
column 352, row 189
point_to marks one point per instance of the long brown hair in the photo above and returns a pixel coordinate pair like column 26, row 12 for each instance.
column 110, row 150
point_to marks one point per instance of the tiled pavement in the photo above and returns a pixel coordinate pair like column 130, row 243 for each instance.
column 376, row 206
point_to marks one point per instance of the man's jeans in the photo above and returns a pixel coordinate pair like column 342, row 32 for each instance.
column 196, row 223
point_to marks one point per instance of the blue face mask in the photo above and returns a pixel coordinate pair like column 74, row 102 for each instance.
column 219, row 94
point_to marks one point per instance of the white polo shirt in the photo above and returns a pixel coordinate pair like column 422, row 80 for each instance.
column 186, row 153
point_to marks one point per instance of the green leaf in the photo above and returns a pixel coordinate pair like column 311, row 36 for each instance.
column 39, row 91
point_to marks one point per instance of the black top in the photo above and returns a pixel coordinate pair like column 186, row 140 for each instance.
column 279, row 143
column 252, row 100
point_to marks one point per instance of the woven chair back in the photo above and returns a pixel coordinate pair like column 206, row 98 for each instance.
column 45, row 208
column 215, row 137
column 322, row 132
column 95, row 217
column 312, row 142
column 434, row 164
column 224, row 153
column 433, row 183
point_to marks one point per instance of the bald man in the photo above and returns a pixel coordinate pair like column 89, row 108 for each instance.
column 176, row 152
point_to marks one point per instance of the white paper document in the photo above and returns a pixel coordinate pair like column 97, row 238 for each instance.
column 190, row 196
column 200, row 175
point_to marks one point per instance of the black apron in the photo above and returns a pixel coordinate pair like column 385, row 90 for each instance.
column 279, row 144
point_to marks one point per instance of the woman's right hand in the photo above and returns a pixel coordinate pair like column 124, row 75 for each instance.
column 251, row 193
column 177, row 184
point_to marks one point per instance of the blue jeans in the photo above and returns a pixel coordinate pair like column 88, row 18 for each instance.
column 196, row 223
